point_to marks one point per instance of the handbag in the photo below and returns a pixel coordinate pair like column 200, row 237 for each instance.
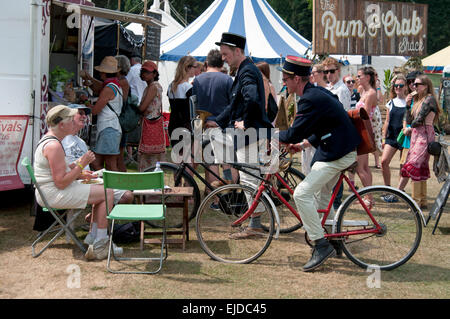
column 130, row 114
column 361, row 120
column 401, row 138
column 272, row 108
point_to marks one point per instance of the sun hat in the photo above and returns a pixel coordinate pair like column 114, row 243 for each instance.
column 59, row 113
column 86, row 109
column 109, row 64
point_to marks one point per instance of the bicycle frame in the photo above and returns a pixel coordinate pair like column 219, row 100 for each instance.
column 266, row 185
column 183, row 166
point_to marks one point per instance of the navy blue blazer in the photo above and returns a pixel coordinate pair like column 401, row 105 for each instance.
column 322, row 120
column 247, row 99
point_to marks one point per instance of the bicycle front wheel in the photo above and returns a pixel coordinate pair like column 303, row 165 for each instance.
column 174, row 176
column 401, row 228
column 222, row 240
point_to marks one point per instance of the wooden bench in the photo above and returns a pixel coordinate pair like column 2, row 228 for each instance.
column 185, row 193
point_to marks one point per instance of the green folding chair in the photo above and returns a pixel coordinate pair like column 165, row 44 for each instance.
column 58, row 225
column 136, row 212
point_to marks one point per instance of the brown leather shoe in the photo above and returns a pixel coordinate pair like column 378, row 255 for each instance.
column 247, row 233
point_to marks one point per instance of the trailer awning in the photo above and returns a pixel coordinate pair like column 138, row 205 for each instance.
column 109, row 14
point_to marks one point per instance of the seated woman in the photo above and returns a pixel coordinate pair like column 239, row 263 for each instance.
column 61, row 184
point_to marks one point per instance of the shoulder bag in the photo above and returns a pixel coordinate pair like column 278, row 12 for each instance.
column 361, row 120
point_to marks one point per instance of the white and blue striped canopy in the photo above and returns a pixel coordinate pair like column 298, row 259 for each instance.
column 268, row 36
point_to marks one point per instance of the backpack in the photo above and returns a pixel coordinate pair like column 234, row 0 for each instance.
column 126, row 233
column 130, row 115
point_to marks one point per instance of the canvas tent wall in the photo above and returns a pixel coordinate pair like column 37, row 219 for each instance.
column 436, row 62
column 379, row 63
column 269, row 38
column 172, row 25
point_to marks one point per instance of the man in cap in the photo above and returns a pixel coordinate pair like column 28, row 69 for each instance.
column 321, row 120
column 246, row 114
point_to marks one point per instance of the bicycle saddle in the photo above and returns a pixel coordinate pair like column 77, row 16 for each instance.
column 351, row 168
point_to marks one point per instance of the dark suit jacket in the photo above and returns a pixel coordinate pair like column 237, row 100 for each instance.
column 322, row 120
column 247, row 99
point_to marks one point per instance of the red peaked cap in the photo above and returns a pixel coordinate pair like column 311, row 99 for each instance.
column 297, row 65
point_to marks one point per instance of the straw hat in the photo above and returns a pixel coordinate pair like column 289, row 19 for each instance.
column 108, row 65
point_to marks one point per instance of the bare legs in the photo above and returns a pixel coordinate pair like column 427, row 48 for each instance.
column 363, row 170
column 386, row 158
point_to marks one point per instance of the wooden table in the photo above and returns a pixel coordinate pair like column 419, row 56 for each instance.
column 186, row 193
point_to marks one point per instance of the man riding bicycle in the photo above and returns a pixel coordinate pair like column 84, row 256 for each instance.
column 323, row 122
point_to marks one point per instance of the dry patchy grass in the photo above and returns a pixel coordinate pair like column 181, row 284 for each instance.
column 191, row 274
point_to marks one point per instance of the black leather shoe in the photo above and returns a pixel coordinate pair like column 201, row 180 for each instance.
column 337, row 245
column 321, row 252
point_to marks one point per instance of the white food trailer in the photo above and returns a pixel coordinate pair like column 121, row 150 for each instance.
column 36, row 36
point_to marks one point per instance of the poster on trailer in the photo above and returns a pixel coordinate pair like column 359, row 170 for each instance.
column 12, row 136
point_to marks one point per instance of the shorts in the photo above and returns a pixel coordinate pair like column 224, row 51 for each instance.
column 108, row 141
column 118, row 193
column 393, row 143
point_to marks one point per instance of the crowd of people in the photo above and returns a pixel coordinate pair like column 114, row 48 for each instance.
column 321, row 130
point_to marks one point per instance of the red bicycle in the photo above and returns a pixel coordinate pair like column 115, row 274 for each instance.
column 383, row 234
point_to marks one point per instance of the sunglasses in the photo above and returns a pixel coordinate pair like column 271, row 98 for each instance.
column 399, row 85
column 418, row 83
column 350, row 81
column 329, row 71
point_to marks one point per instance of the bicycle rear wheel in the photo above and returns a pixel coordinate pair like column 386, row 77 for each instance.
column 401, row 229
column 219, row 238
column 175, row 177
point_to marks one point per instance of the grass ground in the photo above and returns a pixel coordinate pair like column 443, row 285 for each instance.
column 190, row 274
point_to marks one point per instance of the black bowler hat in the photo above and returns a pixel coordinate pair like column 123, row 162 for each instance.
column 232, row 40
column 296, row 65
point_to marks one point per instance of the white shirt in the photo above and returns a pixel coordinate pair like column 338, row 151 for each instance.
column 181, row 90
column 137, row 86
column 397, row 102
column 342, row 92
column 74, row 147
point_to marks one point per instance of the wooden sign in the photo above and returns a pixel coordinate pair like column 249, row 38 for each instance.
column 361, row 27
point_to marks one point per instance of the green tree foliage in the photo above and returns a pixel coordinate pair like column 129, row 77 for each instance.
column 298, row 14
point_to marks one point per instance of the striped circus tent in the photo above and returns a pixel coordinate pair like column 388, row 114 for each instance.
column 268, row 36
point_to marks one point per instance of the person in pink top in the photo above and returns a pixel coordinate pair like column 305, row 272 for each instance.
column 424, row 113
column 368, row 101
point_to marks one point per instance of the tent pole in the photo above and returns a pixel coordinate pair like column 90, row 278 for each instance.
column 144, row 45
column 118, row 29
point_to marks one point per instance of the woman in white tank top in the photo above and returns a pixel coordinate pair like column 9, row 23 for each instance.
column 108, row 108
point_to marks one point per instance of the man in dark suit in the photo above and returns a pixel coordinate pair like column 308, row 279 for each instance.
column 245, row 120
column 324, row 123
column 247, row 107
